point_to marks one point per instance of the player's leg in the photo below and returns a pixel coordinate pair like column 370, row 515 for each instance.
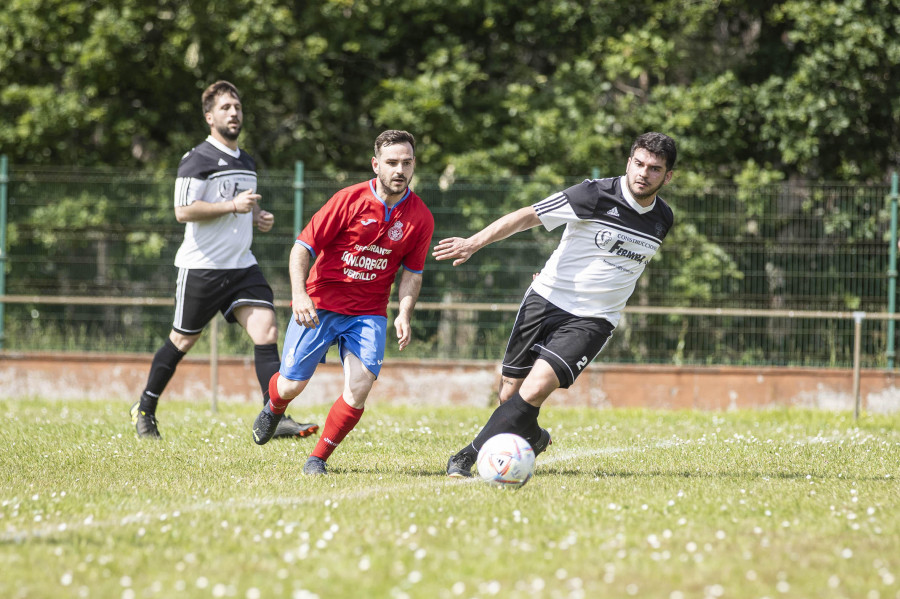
column 162, row 368
column 303, row 350
column 252, row 307
column 192, row 313
column 259, row 322
column 559, row 345
column 528, row 329
column 344, row 414
column 362, row 351
column 508, row 386
column 515, row 415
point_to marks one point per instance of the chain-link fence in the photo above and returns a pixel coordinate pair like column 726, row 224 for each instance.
column 112, row 234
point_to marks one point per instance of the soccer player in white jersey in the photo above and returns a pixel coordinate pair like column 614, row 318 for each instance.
column 613, row 228
column 216, row 198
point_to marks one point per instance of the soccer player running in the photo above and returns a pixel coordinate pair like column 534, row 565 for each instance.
column 614, row 227
column 342, row 266
column 215, row 196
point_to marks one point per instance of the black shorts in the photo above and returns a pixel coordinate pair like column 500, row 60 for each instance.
column 200, row 293
column 565, row 341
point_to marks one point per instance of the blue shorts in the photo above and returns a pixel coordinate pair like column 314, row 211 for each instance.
column 304, row 349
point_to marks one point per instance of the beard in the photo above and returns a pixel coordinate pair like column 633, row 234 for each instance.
column 227, row 133
column 645, row 195
column 394, row 186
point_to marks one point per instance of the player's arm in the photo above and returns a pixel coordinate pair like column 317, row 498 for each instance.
column 302, row 306
column 408, row 291
column 198, row 210
column 459, row 250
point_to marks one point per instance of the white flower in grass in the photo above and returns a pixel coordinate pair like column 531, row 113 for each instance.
column 202, row 582
column 253, row 593
column 458, row 588
column 782, row 586
column 66, row 579
column 846, row 553
column 219, row 590
column 365, row 563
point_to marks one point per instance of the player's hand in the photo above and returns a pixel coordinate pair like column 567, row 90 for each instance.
column 264, row 221
column 404, row 331
column 304, row 310
column 454, row 248
column 245, row 201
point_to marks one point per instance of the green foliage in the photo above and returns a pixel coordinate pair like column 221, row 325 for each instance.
column 495, row 87
column 522, row 99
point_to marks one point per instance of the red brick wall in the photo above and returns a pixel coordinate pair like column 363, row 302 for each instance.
column 122, row 376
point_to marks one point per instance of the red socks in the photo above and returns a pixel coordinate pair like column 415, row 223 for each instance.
column 341, row 420
column 276, row 403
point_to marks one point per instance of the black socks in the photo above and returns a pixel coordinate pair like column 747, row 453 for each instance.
column 267, row 362
column 513, row 416
column 165, row 360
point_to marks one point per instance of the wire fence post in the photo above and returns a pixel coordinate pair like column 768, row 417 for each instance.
column 4, row 181
column 857, row 351
column 214, row 364
column 891, row 352
column 298, row 197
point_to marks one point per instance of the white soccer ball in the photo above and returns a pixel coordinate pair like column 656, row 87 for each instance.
column 506, row 460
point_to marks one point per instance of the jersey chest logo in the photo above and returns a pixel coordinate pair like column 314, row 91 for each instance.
column 396, row 231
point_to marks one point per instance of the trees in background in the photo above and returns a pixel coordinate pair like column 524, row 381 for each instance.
column 801, row 88
column 535, row 95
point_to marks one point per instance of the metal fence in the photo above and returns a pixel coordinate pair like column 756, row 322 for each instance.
column 758, row 252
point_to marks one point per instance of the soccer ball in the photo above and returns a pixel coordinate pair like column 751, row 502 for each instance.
column 506, row 460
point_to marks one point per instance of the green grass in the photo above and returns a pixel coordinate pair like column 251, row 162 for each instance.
column 625, row 503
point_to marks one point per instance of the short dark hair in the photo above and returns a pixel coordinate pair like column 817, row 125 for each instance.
column 219, row 88
column 394, row 136
column 659, row 144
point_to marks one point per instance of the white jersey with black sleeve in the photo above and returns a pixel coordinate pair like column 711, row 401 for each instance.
column 608, row 241
column 213, row 172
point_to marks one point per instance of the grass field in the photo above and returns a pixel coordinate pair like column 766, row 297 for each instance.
column 625, row 503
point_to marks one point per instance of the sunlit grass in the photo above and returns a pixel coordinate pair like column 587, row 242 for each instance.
column 624, row 503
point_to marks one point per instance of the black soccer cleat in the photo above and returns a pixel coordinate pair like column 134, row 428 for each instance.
column 288, row 427
column 542, row 443
column 265, row 425
column 145, row 424
column 314, row 466
column 460, row 466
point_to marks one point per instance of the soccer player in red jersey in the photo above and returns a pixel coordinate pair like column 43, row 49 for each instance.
column 342, row 267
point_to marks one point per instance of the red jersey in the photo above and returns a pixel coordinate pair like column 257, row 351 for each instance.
column 359, row 244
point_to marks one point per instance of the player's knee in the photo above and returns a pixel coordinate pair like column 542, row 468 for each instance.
column 289, row 389
column 183, row 342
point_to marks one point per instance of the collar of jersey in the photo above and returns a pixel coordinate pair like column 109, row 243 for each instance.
column 387, row 211
column 223, row 148
column 623, row 183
